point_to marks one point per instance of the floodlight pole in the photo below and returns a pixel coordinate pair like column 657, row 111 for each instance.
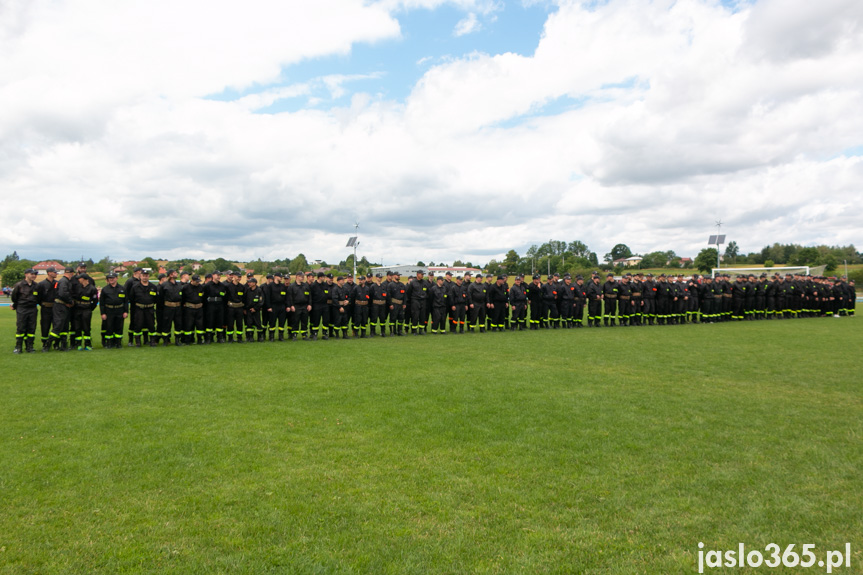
column 356, row 243
column 718, row 233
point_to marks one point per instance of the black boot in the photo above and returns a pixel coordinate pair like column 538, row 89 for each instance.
column 137, row 341
column 19, row 345
column 178, row 341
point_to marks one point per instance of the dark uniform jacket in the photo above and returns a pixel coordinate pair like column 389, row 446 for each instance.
column 113, row 300
column 25, row 295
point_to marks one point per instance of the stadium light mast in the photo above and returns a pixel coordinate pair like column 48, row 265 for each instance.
column 353, row 243
column 717, row 240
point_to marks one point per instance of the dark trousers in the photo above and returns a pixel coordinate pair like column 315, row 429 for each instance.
column 378, row 317
column 438, row 319
column 144, row 322
column 113, row 327
column 25, row 326
column 171, row 317
column 594, row 311
column 419, row 315
column 535, row 314
column 498, row 316
column 214, row 319
column 320, row 317
column 610, row 310
column 276, row 318
column 60, row 321
column 254, row 325
column 193, row 323
column 477, row 315
column 82, row 320
column 46, row 318
column 361, row 316
column 300, row 320
column 458, row 317
column 235, row 320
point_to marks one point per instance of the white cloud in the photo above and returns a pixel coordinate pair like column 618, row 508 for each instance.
column 467, row 25
column 632, row 122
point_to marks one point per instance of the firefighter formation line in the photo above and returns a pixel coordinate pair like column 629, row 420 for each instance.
column 189, row 310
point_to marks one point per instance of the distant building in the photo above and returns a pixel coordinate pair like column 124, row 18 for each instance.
column 409, row 270
column 629, row 262
column 42, row 267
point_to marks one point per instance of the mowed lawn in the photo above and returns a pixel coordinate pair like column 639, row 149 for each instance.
column 580, row 451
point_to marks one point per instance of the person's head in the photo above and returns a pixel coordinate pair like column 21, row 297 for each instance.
column 145, row 277
column 52, row 273
column 30, row 275
column 440, row 280
column 184, row 277
column 68, row 272
column 419, row 274
column 252, row 283
column 500, row 280
column 172, row 275
column 340, row 280
column 321, row 277
column 82, row 268
column 536, row 279
column 196, row 280
column 579, row 279
column 299, row 277
column 277, row 277
column 458, row 280
column 112, row 279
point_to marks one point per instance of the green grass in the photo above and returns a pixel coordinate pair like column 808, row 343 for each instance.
column 584, row 451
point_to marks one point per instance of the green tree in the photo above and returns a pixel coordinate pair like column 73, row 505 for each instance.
column 299, row 264
column 617, row 252
column 13, row 272
column 421, row 264
column 706, row 259
column 769, row 263
column 13, row 257
column 731, row 251
column 579, row 249
column 149, row 262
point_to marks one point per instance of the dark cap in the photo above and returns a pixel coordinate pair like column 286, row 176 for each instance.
column 489, row 275
column 270, row 276
column 330, row 276
column 579, row 277
column 650, row 275
column 609, row 275
column 69, row 271
column 376, row 275
column 537, row 276
column 162, row 276
column 250, row 274
column 196, row 278
column 172, row 272
column 30, row 271
column 110, row 275
column 340, row 278
column 138, row 270
column 501, row 277
column 567, row 276
column 277, row 275
column 448, row 273
column 321, row 274
column 299, row 274
column 557, row 275
column 51, row 270
column 145, row 273
column 84, row 277
column 206, row 277
column 252, row 280
column 216, row 273
column 82, row 265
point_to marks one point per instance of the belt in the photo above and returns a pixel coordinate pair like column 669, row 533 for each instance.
column 636, row 294
column 114, row 306
column 235, row 305
column 80, row 303
column 46, row 304
column 193, row 305
column 213, row 299
column 610, row 296
column 379, row 302
column 398, row 301
column 624, row 297
column 60, row 301
column 172, row 304
column 329, row 302
column 145, row 305
column 361, row 303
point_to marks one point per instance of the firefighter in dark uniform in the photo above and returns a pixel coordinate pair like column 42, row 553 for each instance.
column 380, row 302
column 438, row 299
column 301, row 305
column 498, row 300
column 648, row 295
column 25, row 302
column 339, row 311
column 550, row 317
column 276, row 304
column 637, row 287
column 361, row 299
column 235, row 300
column 664, row 301
column 478, row 300
column 63, row 303
column 693, row 288
column 609, row 297
column 595, row 294
column 761, row 297
column 319, row 294
column 143, row 297
column 253, row 305
column 518, row 304
column 127, row 289
column 46, row 294
column 567, row 301
column 738, row 298
column 534, row 296
column 114, row 309
column 624, row 299
column 193, row 297
column 416, row 296
column 398, row 301
column 86, row 300
column 706, row 300
column 457, row 305
column 172, row 311
column 580, row 301
column 214, row 309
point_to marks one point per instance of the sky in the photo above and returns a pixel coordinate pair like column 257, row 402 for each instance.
column 447, row 130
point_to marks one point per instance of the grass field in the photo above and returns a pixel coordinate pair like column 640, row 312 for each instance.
column 584, row 451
